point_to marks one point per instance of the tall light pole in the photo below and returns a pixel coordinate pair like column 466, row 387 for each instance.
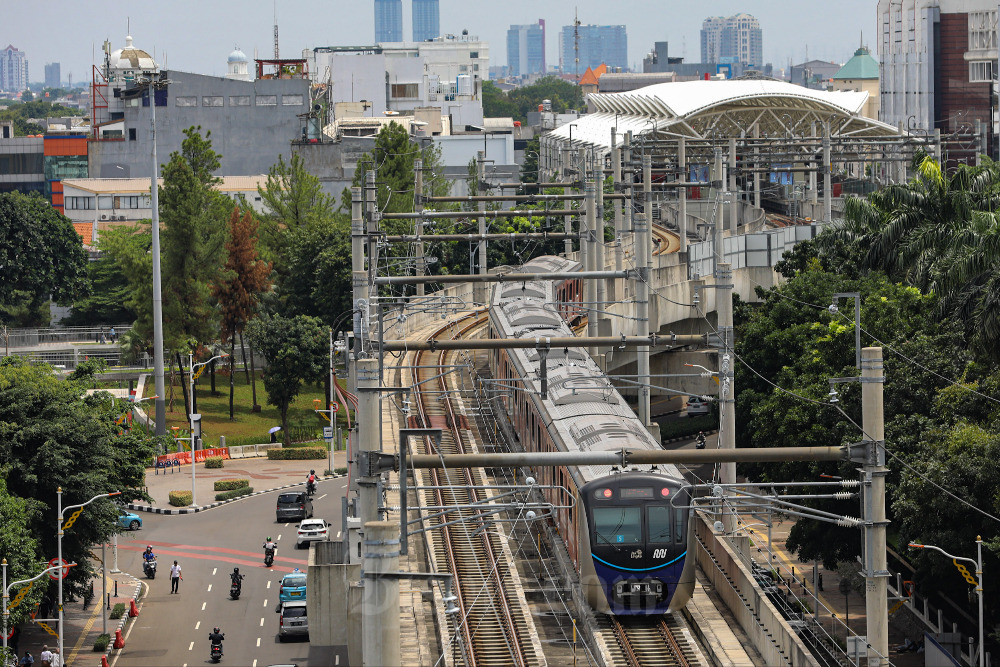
column 968, row 577
column 6, row 596
column 192, row 417
column 62, row 526
column 161, row 406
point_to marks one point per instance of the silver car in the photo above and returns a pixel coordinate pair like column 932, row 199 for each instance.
column 292, row 620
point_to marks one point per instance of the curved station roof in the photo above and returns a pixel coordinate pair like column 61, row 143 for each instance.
column 722, row 109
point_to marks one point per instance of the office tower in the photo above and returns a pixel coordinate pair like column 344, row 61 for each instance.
column 732, row 39
column 52, row 75
column 426, row 20
column 606, row 44
column 526, row 48
column 388, row 21
column 13, row 69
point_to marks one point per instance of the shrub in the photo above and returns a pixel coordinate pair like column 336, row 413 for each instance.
column 118, row 611
column 230, row 484
column 101, row 643
column 180, row 498
column 296, row 453
column 213, row 462
column 235, row 493
column 689, row 426
column 340, row 471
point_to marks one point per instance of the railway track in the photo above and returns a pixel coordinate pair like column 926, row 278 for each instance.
column 648, row 642
column 492, row 626
column 664, row 240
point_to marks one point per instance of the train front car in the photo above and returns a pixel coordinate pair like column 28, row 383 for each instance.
column 637, row 527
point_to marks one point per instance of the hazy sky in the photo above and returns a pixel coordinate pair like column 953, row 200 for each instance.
column 198, row 36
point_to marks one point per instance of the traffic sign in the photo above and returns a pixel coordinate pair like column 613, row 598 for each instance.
column 65, row 569
column 335, row 406
column 328, row 433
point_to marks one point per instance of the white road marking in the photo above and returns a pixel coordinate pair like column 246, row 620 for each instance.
column 322, row 497
column 191, row 646
column 265, row 601
column 262, row 622
column 209, row 588
column 258, row 641
column 268, row 583
column 286, row 525
column 338, row 534
column 279, row 538
column 197, row 625
column 337, row 660
column 203, row 605
column 214, row 569
column 254, row 663
column 131, row 626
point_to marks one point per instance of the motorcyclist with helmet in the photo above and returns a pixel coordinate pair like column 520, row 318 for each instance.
column 311, row 483
column 237, row 578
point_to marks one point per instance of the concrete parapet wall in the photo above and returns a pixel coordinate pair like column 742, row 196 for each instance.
column 773, row 638
column 329, row 581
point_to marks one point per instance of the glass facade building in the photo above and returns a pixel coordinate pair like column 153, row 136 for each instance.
column 388, row 21
column 526, row 49
column 426, row 20
column 607, row 44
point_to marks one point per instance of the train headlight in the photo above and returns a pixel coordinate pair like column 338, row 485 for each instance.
column 664, row 492
column 607, row 493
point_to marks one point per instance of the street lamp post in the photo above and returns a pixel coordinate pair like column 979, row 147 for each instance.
column 192, row 417
column 978, row 583
column 62, row 526
column 114, row 546
column 6, row 596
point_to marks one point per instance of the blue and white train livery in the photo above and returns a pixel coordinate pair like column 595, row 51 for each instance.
column 627, row 531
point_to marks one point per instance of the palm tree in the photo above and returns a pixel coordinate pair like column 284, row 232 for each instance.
column 940, row 234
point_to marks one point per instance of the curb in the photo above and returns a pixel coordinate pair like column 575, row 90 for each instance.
column 124, row 619
column 201, row 508
column 667, row 441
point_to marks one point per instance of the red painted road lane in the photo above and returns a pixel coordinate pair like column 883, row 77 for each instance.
column 235, row 552
column 212, row 556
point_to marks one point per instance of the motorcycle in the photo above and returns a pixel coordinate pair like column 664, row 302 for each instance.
column 235, row 590
column 149, row 568
column 268, row 557
column 216, row 652
column 310, row 488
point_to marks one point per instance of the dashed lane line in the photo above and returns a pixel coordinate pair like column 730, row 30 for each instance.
column 191, row 646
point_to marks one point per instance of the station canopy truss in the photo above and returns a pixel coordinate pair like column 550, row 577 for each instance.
column 720, row 110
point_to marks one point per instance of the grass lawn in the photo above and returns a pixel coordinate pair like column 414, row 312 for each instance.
column 248, row 427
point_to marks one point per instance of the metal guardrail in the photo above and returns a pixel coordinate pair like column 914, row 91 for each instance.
column 12, row 338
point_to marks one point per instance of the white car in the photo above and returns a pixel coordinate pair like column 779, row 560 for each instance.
column 312, row 530
column 696, row 405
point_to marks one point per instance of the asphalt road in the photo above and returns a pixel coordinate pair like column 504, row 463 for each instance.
column 173, row 629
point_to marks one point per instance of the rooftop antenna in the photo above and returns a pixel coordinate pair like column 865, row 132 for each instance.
column 576, row 44
column 275, row 29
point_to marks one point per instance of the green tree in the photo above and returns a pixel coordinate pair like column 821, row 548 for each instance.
column 316, row 279
column 19, row 547
column 244, row 279
column 193, row 236
column 41, row 257
column 293, row 197
column 296, row 350
column 518, row 102
column 52, row 435
column 126, row 249
column 109, row 294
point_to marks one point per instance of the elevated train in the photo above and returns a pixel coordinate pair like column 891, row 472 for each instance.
column 627, row 531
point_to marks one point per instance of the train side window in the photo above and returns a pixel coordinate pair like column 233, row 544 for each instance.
column 680, row 521
column 658, row 525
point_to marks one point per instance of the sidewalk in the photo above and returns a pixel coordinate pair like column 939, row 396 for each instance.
column 263, row 474
column 850, row 607
column 83, row 625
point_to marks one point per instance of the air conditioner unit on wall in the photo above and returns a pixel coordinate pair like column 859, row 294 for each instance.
column 121, row 217
column 104, row 217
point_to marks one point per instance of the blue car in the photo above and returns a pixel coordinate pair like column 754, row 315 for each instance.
column 128, row 520
column 293, row 586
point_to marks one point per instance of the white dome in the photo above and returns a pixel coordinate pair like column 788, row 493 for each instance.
column 131, row 58
column 237, row 56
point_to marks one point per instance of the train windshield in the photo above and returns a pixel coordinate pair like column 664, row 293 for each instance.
column 618, row 525
column 658, row 521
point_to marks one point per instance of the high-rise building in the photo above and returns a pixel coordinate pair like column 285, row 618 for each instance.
column 598, row 44
column 53, row 78
column 426, row 20
column 388, row 21
column 526, row 49
column 732, row 39
column 13, row 69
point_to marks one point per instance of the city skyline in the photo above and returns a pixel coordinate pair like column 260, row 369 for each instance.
column 829, row 32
